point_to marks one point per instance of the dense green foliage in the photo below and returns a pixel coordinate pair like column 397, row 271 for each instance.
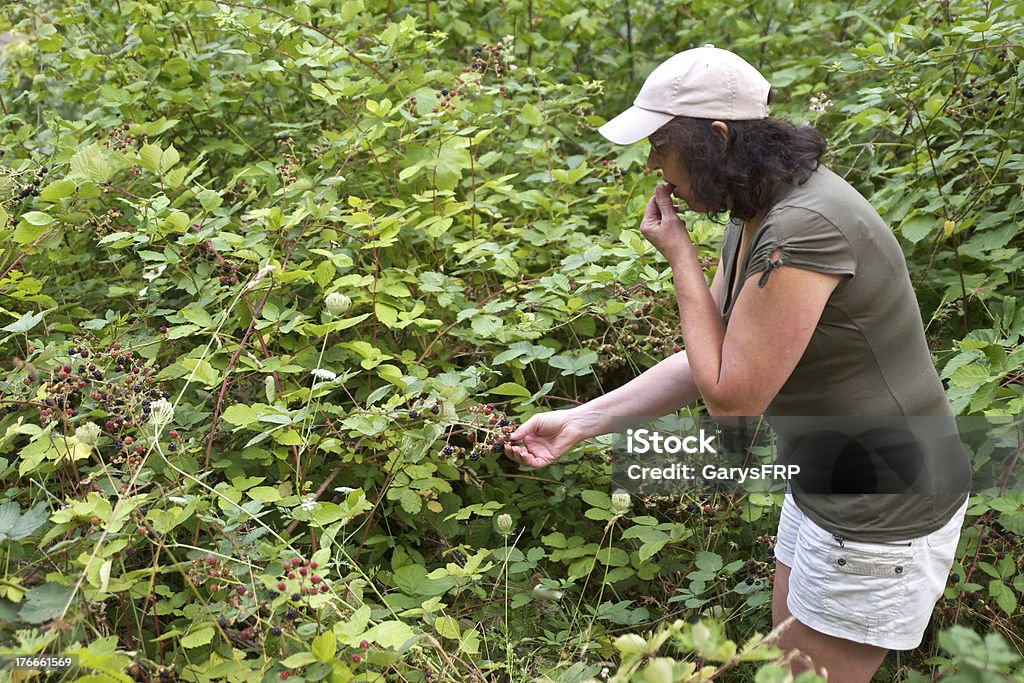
column 274, row 277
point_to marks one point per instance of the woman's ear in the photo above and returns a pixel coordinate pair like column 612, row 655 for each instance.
column 722, row 129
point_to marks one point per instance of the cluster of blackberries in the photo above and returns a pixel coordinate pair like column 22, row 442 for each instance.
column 416, row 412
column 31, row 188
column 495, row 58
column 304, row 572
column 230, row 274
column 117, row 138
column 976, row 98
column 445, row 96
column 487, row 433
column 212, row 573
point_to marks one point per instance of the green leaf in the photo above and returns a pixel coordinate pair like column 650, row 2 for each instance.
column 324, row 646
column 386, row 314
column 531, row 115
column 709, row 562
column 486, row 325
column 240, row 415
column 196, row 638
column 15, row 526
column 210, row 200
column 444, row 164
column 572, row 364
column 37, row 218
column 390, row 634
column 195, row 313
column 45, row 603
column 25, row 322
column 168, row 159
column 1004, row 597
column 510, row 389
column 201, row 370
column 299, row 659
column 57, row 190
column 324, row 273
column 149, row 157
column 448, row 627
column 92, row 163
column 916, row 227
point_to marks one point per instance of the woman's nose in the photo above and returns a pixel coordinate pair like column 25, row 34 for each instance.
column 653, row 162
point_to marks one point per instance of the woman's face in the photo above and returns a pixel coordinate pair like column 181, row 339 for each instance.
column 673, row 172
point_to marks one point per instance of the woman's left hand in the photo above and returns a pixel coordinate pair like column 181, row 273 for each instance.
column 662, row 226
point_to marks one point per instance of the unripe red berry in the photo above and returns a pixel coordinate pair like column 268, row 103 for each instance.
column 324, row 588
column 364, row 645
column 281, row 586
column 313, row 565
column 356, row 659
column 303, row 571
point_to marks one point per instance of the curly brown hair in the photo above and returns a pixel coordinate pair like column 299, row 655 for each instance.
column 739, row 175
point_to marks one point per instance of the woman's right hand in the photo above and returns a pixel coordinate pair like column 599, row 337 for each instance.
column 544, row 438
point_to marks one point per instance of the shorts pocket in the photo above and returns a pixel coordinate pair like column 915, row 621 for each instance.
column 867, row 580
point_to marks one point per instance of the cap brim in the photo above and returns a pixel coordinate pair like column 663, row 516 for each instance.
column 634, row 125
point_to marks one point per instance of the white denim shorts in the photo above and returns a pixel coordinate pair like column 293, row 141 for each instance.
column 881, row 594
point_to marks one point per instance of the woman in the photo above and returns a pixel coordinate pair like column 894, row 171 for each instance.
column 810, row 313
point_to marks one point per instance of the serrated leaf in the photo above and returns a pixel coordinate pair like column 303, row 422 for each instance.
column 240, row 415
column 168, row 159
column 970, row 376
column 448, row 627
column 15, row 526
column 390, row 634
column 386, row 314
column 57, row 190
column 210, row 200
column 510, row 389
column 149, row 157
column 37, row 218
column 917, row 227
column 196, row 638
column 299, row 659
column 92, row 163
column 1004, row 597
column 324, row 646
column 201, row 370
column 486, row 325
column 324, row 273
column 709, row 562
column 572, row 364
column 44, row 603
column 25, row 322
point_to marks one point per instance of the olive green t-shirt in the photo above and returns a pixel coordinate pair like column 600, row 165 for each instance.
column 868, row 358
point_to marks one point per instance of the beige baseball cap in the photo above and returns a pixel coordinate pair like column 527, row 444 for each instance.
column 705, row 83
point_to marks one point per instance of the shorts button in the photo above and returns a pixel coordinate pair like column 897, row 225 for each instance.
column 841, row 562
column 899, row 569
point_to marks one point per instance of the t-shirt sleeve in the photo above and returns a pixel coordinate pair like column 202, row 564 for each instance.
column 804, row 239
